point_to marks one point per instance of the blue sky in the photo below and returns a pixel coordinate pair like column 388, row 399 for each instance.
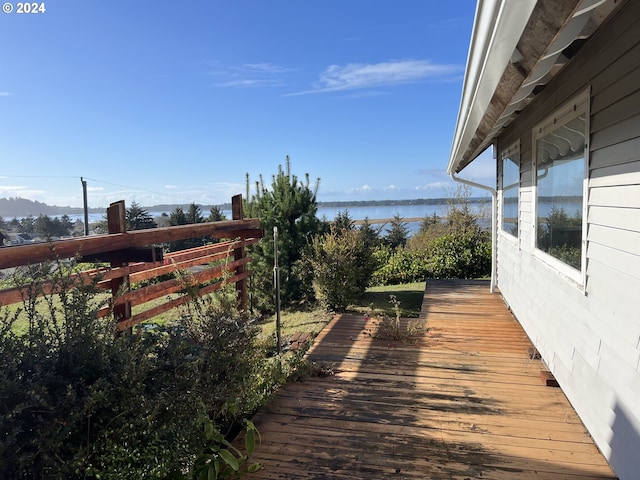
column 174, row 102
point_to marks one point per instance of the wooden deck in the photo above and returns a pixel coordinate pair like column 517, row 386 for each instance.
column 464, row 402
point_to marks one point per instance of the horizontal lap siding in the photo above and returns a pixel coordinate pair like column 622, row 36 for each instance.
column 590, row 335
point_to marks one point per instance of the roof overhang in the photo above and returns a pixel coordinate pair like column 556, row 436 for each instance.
column 516, row 47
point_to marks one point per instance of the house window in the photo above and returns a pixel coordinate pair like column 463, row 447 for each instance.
column 509, row 188
column 560, row 161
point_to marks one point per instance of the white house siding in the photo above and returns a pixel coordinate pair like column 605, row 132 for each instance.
column 589, row 335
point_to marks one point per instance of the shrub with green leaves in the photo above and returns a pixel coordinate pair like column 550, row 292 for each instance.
column 342, row 266
column 400, row 266
column 460, row 255
column 78, row 401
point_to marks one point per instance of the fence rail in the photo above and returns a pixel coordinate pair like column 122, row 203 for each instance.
column 134, row 257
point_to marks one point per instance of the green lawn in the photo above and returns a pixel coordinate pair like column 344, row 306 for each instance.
column 374, row 302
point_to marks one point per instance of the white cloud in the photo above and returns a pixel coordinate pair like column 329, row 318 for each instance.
column 434, row 185
column 363, row 189
column 4, row 94
column 22, row 191
column 391, row 188
column 12, row 187
column 355, row 76
column 250, row 75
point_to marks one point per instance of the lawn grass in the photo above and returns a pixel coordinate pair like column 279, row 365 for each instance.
column 376, row 302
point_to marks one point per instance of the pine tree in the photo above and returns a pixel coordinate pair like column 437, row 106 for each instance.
column 179, row 217
column 343, row 221
column 290, row 204
column 139, row 218
column 215, row 214
column 194, row 215
column 370, row 236
column 398, row 233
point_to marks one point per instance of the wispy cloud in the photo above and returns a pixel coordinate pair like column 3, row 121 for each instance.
column 250, row 75
column 12, row 188
column 356, row 76
column 434, row 186
column 5, row 94
column 362, row 189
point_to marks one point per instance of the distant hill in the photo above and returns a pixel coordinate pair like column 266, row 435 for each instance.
column 22, row 207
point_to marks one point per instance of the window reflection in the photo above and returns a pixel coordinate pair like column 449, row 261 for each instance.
column 510, row 189
column 560, row 167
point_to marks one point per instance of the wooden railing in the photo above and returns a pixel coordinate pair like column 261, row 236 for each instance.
column 134, row 257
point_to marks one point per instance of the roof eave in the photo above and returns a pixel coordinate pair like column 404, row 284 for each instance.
column 497, row 29
column 517, row 46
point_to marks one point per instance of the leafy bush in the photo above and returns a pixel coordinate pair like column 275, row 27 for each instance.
column 78, row 401
column 342, row 267
column 400, row 266
column 460, row 255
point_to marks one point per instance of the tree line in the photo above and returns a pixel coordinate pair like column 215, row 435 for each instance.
column 332, row 262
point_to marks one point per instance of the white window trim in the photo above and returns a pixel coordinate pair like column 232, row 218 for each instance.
column 510, row 150
column 580, row 104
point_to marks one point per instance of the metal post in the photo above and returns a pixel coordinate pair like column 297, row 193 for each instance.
column 276, row 282
column 86, row 208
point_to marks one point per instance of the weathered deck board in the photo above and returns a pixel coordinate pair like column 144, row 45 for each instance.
column 463, row 401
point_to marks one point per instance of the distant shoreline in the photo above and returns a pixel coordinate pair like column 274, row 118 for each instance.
column 19, row 207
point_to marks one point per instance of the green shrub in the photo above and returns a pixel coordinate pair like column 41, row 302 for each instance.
column 460, row 255
column 342, row 267
column 400, row 266
column 78, row 401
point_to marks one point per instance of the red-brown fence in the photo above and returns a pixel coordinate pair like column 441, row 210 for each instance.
column 134, row 257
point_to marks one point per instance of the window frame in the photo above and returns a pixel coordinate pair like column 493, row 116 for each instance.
column 578, row 105
column 512, row 149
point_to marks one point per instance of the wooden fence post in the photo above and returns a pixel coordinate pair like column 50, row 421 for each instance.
column 238, row 253
column 117, row 223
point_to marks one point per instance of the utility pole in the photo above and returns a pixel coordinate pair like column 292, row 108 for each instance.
column 86, row 208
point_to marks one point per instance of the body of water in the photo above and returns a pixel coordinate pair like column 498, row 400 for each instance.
column 383, row 212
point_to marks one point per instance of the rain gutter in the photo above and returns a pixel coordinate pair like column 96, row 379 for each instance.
column 494, row 223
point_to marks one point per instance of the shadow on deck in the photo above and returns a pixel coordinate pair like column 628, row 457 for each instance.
column 464, row 401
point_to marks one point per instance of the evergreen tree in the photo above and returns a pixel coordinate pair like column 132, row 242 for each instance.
column 179, row 217
column 66, row 225
column 429, row 222
column 290, row 204
column 398, row 233
column 27, row 224
column 139, row 218
column 215, row 214
column 369, row 235
column 194, row 215
column 14, row 225
column 343, row 221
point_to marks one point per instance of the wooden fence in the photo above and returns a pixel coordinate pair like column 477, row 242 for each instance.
column 136, row 256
